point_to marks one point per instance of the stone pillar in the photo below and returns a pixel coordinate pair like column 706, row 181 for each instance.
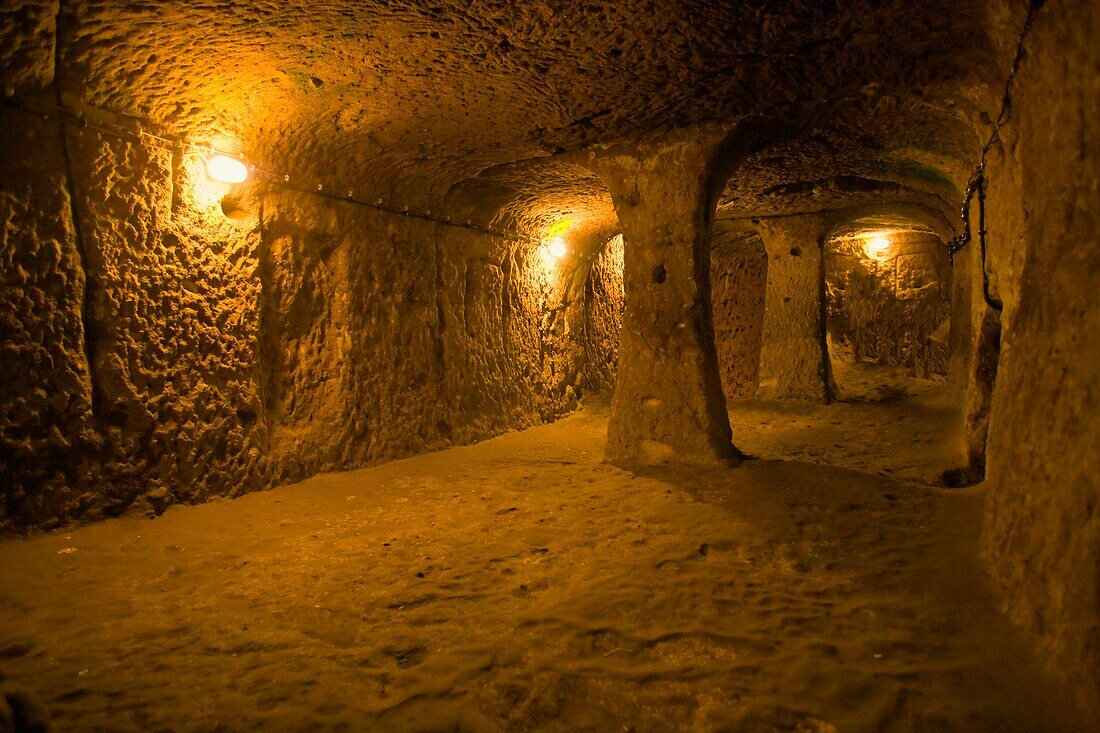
column 668, row 404
column 793, row 357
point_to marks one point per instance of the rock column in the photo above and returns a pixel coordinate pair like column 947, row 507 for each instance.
column 668, row 404
column 793, row 357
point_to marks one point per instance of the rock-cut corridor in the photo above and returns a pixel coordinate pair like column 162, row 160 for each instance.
column 557, row 365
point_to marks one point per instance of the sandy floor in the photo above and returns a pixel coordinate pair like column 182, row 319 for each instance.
column 885, row 423
column 520, row 584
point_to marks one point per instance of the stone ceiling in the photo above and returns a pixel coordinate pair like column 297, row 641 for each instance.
column 417, row 99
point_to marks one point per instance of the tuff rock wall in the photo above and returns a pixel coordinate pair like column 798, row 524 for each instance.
column 603, row 314
column 891, row 308
column 793, row 359
column 46, row 400
column 159, row 351
column 739, row 270
column 1042, row 530
column 507, row 349
column 129, row 320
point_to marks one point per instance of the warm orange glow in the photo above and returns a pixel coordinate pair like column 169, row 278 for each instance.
column 225, row 169
column 877, row 245
column 553, row 250
column 558, row 228
column 557, row 248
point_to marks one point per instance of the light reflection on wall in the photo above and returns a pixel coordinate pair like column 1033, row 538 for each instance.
column 552, row 250
column 877, row 245
column 555, row 247
column 207, row 192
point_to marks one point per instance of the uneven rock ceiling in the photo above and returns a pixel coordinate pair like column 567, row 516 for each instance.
column 478, row 106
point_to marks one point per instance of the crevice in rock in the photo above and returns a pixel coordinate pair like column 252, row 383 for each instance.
column 986, row 363
column 506, row 266
column 88, row 294
column 446, row 428
column 467, row 298
column 175, row 179
column 265, row 341
column 827, row 380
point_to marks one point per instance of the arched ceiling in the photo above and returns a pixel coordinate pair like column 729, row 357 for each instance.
column 413, row 99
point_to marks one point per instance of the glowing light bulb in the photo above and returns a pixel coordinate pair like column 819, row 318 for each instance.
column 556, row 247
column 551, row 251
column 225, row 169
column 877, row 245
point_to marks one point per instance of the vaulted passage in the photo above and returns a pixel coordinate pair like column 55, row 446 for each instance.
column 888, row 308
column 663, row 366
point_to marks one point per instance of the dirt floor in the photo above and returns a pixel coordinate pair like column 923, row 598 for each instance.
column 883, row 422
column 520, row 584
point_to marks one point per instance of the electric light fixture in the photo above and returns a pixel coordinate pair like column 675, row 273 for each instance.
column 556, row 248
column 877, row 245
column 226, row 169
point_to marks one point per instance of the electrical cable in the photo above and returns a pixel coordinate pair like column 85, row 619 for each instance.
column 977, row 183
column 174, row 145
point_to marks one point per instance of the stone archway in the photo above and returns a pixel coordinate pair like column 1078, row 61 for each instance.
column 888, row 306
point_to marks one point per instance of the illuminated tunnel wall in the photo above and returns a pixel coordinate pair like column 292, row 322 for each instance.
column 160, row 351
column 889, row 301
column 163, row 343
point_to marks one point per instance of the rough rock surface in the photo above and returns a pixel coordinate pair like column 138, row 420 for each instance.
column 887, row 308
column 429, row 94
column 45, row 403
column 1042, row 528
column 603, row 315
column 169, row 341
column 738, row 279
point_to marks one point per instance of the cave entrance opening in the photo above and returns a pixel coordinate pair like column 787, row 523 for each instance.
column 888, row 309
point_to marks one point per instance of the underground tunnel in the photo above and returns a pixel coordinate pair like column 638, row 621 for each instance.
column 653, row 365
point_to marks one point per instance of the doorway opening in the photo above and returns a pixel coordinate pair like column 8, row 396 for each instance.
column 888, row 308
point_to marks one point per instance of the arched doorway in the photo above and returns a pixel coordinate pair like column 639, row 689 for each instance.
column 888, row 308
